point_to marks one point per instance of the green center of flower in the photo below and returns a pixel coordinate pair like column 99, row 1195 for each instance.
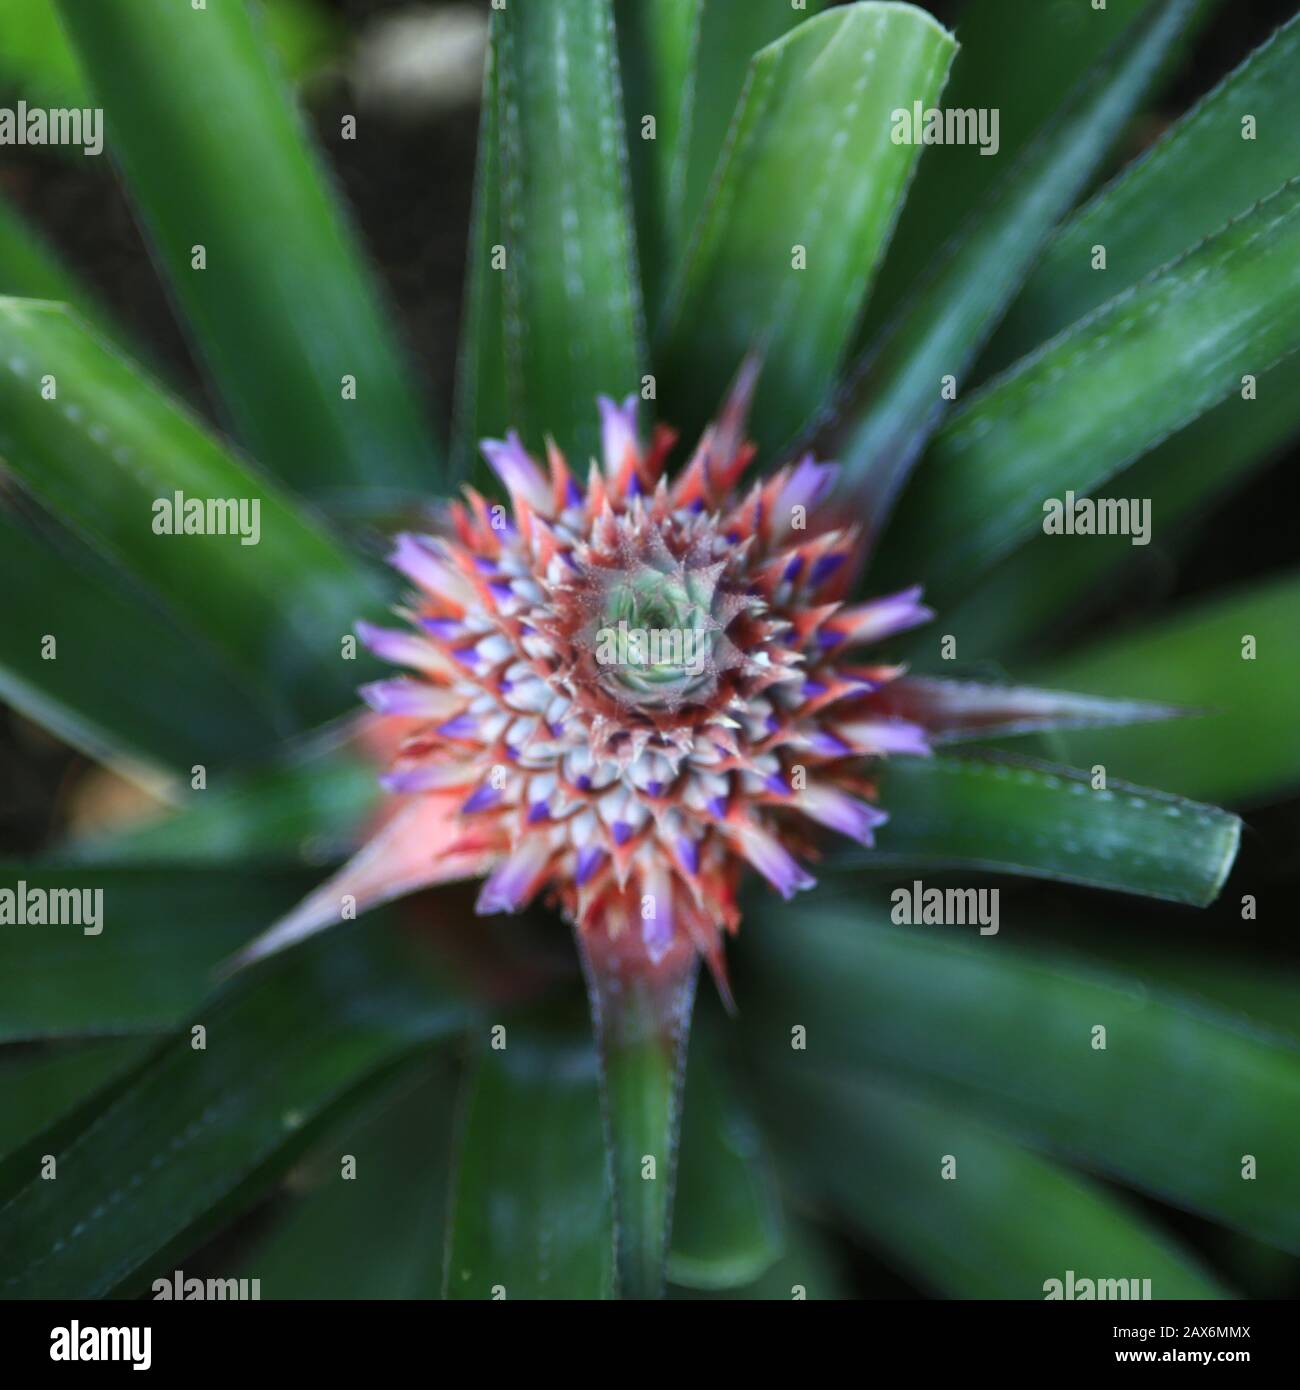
column 654, row 639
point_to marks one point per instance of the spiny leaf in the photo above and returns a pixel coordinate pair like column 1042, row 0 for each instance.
column 1247, row 746
column 553, row 308
column 1203, row 165
column 799, row 211
column 880, row 1152
column 255, row 248
column 202, row 1130
column 1050, row 822
column 1098, row 397
column 726, row 1220
column 105, row 449
column 899, row 395
column 531, row 1212
column 1170, row 1105
column 89, row 688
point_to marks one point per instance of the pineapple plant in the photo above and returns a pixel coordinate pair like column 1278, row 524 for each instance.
column 767, row 606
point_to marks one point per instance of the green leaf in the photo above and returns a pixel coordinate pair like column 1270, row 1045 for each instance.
column 1021, row 61
column 215, row 155
column 304, row 37
column 1098, row 397
column 531, row 1206
column 1246, row 748
column 730, row 36
column 1026, row 595
column 1170, row 1105
column 659, row 48
column 37, row 60
column 726, row 1219
column 110, row 448
column 202, row 1130
column 809, row 163
column 1251, row 991
column 896, row 401
column 1048, row 822
column 879, row 1154
column 484, row 402
column 394, row 1207
column 29, row 268
column 125, row 684
column 41, row 1086
column 685, row 63
column 308, row 810
column 809, row 1269
column 162, row 932
column 564, row 324
column 1201, row 165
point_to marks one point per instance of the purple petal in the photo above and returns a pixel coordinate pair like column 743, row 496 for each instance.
column 413, row 558
column 829, row 744
column 825, row 566
column 415, row 779
column 399, row 648
column 520, row 475
column 617, row 431
column 771, row 858
column 403, row 697
column 445, row 629
column 484, row 797
column 883, row 617
column 463, row 726
column 809, row 484
column 589, row 860
column 512, row 882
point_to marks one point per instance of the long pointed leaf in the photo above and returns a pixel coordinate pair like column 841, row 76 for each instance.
column 881, row 1153
column 726, row 1220
column 107, row 451
column 41, row 1090
column 162, row 933
column 1100, row 396
column 685, row 62
column 1247, row 746
column 531, row 1214
column 1171, row 1105
column 201, row 1128
column 564, row 324
column 122, row 683
column 393, row 1205
column 1029, row 593
column 800, row 209
column 282, row 310
column 1202, row 165
column 1022, row 61
column 940, row 329
column 29, row 268
column 1049, row 822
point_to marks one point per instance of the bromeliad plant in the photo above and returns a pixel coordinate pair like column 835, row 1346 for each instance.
column 635, row 682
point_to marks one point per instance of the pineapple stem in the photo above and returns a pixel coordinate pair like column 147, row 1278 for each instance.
column 641, row 1013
